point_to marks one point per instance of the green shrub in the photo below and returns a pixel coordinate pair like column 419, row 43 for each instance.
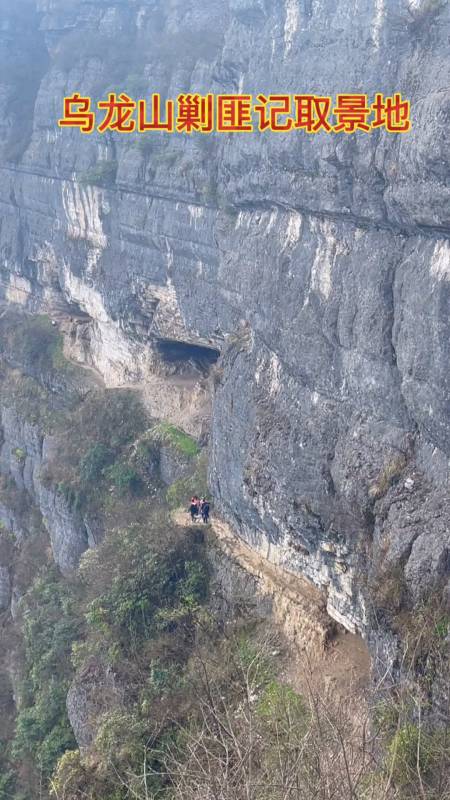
column 191, row 593
column 36, row 344
column 180, row 492
column 30, row 400
column 43, row 730
column 162, row 681
column 254, row 662
column 93, row 462
column 176, row 438
column 76, row 777
column 103, row 174
column 148, row 589
column 50, row 627
column 279, row 702
column 410, row 750
column 122, row 476
column 112, row 418
column 71, row 494
column 20, row 455
column 7, row 782
column 121, row 735
column 144, row 454
column 442, row 627
column 96, row 455
column 69, row 776
column 385, row 717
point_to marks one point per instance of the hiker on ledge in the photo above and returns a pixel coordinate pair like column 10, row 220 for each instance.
column 199, row 508
column 204, row 507
column 194, row 508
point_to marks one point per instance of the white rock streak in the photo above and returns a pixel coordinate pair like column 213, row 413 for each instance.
column 293, row 231
column 82, row 206
column 378, row 22
column 196, row 213
column 327, row 250
column 291, row 24
column 275, row 375
column 440, row 261
column 109, row 349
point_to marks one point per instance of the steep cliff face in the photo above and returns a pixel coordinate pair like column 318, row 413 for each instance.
column 318, row 265
column 24, row 453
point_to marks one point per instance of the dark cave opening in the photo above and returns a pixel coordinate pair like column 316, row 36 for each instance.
column 185, row 354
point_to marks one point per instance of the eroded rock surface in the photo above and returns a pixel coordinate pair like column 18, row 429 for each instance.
column 319, row 265
column 23, row 456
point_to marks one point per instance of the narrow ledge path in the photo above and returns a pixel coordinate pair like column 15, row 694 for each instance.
column 322, row 652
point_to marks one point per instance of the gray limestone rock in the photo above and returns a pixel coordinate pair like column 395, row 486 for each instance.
column 23, row 455
column 5, row 588
column 93, row 692
column 172, row 464
column 318, row 265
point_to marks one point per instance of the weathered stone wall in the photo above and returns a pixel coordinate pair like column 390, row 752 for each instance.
column 331, row 434
column 24, row 452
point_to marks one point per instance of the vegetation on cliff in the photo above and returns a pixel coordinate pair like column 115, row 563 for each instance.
column 129, row 682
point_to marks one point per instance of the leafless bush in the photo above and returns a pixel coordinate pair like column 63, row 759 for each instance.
column 263, row 741
column 249, row 736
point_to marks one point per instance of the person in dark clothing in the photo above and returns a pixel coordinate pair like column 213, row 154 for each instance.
column 205, row 511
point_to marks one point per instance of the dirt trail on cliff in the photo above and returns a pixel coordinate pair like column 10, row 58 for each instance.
column 322, row 653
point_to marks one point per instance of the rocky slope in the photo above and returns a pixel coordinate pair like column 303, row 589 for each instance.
column 317, row 266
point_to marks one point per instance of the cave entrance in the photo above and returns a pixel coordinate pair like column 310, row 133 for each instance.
column 187, row 357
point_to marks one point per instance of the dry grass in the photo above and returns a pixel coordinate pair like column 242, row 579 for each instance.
column 387, row 477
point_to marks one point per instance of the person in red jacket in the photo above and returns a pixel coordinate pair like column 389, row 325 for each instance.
column 194, row 508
